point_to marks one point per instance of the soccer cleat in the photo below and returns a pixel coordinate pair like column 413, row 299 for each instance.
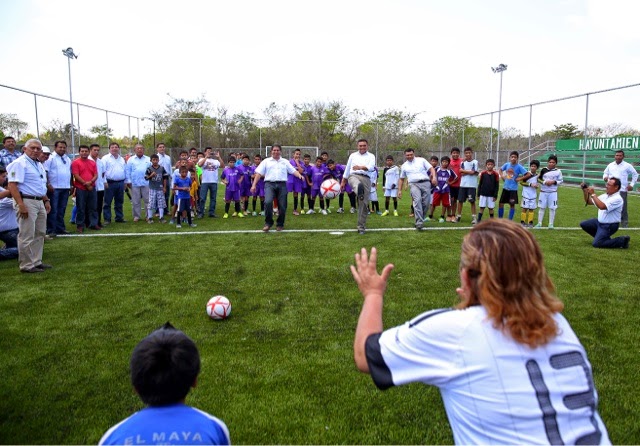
column 235, row 214
column 385, row 213
column 296, row 213
column 441, row 220
column 302, row 211
column 262, row 213
column 378, row 212
column 172, row 221
column 340, row 211
column 458, row 218
column 162, row 220
column 240, row 215
column 328, row 210
column 311, row 211
column 178, row 226
column 225, row 216
column 538, row 226
column 426, row 219
column 323, row 212
column 474, row 221
column 193, row 225
column 412, row 215
column 353, row 210
column 254, row 213
column 395, row 213
column 550, row 226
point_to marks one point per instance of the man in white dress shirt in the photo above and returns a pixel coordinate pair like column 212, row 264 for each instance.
column 114, row 174
column 609, row 206
column 420, row 175
column 622, row 170
column 356, row 172
column 274, row 170
column 58, row 168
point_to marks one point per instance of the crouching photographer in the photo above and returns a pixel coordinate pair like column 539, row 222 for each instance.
column 609, row 207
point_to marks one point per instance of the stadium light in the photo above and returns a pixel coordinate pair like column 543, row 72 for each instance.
column 499, row 69
column 71, row 55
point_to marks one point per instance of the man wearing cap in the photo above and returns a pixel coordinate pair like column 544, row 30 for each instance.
column 44, row 155
column 58, row 168
column 28, row 187
column 8, row 222
column 357, row 171
column 9, row 153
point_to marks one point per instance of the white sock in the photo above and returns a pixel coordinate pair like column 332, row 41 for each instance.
column 552, row 216
column 540, row 216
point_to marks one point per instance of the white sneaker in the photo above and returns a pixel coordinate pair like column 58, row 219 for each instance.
column 311, row 211
column 323, row 212
column 353, row 210
column 340, row 211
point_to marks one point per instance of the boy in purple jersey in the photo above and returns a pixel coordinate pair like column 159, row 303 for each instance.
column 295, row 184
column 337, row 172
column 182, row 189
column 444, row 177
column 244, row 175
column 231, row 178
column 259, row 192
column 317, row 174
column 164, row 367
column 306, row 187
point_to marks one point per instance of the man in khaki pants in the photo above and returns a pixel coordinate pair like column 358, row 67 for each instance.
column 357, row 173
column 28, row 187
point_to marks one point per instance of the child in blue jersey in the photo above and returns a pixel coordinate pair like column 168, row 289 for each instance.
column 164, row 367
column 182, row 188
column 445, row 177
column 231, row 179
column 511, row 173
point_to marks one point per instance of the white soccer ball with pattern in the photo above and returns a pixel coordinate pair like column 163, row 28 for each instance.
column 330, row 188
column 218, row 307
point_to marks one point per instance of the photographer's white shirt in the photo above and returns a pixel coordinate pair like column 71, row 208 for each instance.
column 613, row 212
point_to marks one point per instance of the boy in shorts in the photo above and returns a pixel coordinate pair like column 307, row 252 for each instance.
column 231, row 179
column 390, row 177
column 529, row 194
column 511, row 174
column 164, row 367
column 182, row 189
column 488, row 186
column 469, row 171
column 551, row 178
column 444, row 177
column 454, row 164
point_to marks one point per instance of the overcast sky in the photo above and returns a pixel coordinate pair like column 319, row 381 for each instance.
column 433, row 57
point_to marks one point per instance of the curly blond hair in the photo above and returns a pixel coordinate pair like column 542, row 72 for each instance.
column 507, row 276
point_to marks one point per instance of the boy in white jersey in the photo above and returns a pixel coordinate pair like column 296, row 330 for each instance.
column 390, row 177
column 469, row 171
column 508, row 365
column 529, row 194
column 551, row 178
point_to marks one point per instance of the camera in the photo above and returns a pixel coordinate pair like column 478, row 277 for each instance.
column 584, row 185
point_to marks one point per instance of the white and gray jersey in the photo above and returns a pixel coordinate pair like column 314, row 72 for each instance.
column 550, row 174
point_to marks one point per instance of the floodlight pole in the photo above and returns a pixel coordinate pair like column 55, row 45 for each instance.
column 499, row 69
column 71, row 55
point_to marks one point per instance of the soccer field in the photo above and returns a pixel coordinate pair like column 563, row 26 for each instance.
column 280, row 369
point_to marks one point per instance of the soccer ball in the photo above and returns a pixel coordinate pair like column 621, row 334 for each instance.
column 218, row 307
column 330, row 188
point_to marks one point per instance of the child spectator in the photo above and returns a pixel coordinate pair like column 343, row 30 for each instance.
column 337, row 172
column 295, row 184
column 259, row 192
column 182, row 188
column 390, row 177
column 231, row 179
column 444, row 177
column 157, row 177
column 373, row 195
column 306, row 187
column 529, row 194
column 454, row 164
column 194, row 192
column 551, row 178
column 164, row 367
column 244, row 174
column 488, row 185
column 511, row 173
column 469, row 170
column 317, row 174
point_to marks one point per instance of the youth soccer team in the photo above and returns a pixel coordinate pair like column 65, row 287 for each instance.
column 458, row 180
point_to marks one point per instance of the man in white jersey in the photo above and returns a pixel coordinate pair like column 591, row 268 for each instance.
column 551, row 178
column 508, row 365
